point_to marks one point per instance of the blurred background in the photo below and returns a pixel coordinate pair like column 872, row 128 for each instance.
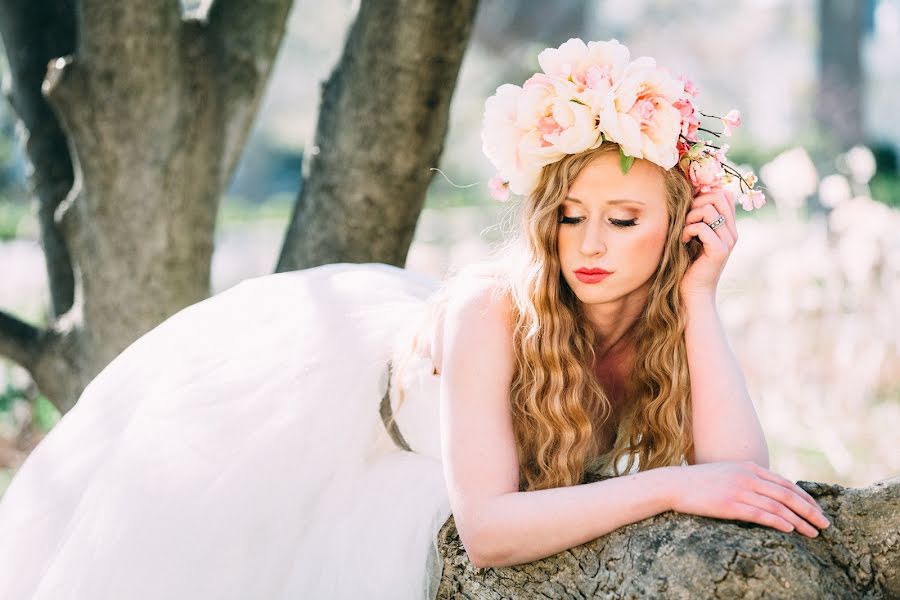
column 811, row 294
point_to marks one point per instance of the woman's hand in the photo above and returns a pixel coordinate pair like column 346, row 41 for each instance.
column 702, row 276
column 748, row 492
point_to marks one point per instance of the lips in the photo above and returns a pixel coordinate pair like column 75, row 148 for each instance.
column 593, row 271
column 591, row 275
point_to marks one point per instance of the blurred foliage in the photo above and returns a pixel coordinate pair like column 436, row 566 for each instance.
column 885, row 185
column 11, row 216
column 44, row 414
column 886, row 189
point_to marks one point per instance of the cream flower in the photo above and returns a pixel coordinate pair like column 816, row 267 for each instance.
column 592, row 69
column 641, row 115
column 500, row 134
column 553, row 108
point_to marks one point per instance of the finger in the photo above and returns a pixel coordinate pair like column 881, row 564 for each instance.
column 723, row 202
column 786, row 483
column 724, row 205
column 782, row 511
column 712, row 243
column 707, row 214
column 755, row 514
column 731, row 200
column 791, row 500
column 782, row 481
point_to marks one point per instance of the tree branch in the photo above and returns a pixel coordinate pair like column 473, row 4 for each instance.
column 242, row 41
column 19, row 341
column 675, row 555
column 33, row 34
column 127, row 37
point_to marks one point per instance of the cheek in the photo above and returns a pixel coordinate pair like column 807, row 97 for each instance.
column 648, row 248
column 563, row 243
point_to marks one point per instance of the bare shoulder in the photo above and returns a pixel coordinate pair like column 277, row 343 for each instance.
column 481, row 307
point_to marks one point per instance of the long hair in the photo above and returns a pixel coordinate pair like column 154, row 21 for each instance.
column 556, row 401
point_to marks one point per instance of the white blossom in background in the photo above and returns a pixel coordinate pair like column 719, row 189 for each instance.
column 834, row 189
column 790, row 179
column 859, row 163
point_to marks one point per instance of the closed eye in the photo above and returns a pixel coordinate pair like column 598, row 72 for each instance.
column 616, row 222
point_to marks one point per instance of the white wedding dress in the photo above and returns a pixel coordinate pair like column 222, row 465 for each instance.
column 237, row 451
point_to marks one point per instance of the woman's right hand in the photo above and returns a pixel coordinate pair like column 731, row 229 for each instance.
column 748, row 492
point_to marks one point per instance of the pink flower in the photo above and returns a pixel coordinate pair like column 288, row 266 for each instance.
column 689, row 86
column 591, row 69
column 752, row 199
column 706, row 173
column 498, row 188
column 719, row 153
column 690, row 124
column 640, row 114
column 732, row 119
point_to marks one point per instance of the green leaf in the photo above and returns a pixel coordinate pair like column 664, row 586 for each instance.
column 625, row 162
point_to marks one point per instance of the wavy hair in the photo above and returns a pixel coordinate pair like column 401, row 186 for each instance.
column 556, row 401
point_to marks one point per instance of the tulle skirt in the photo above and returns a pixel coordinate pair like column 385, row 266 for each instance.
column 236, row 451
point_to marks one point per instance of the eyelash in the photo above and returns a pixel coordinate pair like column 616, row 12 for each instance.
column 616, row 222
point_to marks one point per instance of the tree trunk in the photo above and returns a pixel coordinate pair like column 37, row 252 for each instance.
column 685, row 556
column 155, row 109
column 382, row 122
column 838, row 102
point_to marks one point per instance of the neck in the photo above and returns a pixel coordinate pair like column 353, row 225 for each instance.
column 613, row 321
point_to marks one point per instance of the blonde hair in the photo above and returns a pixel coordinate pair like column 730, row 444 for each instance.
column 555, row 399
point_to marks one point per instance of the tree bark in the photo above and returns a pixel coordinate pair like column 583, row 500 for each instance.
column 155, row 110
column 382, row 122
column 685, row 556
column 839, row 102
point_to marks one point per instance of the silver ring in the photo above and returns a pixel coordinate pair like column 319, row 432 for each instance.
column 717, row 223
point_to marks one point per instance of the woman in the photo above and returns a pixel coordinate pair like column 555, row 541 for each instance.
column 306, row 434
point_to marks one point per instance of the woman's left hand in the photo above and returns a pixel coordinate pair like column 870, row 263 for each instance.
column 702, row 276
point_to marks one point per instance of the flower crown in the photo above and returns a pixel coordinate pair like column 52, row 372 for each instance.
column 588, row 93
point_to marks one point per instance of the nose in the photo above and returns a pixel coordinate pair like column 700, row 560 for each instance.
column 592, row 243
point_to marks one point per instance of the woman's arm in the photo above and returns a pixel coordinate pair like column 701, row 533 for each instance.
column 725, row 425
column 521, row 527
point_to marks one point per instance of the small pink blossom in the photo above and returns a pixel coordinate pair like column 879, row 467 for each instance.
column 719, row 153
column 732, row 119
column 752, row 199
column 689, row 86
column 690, row 124
column 498, row 188
column 750, row 178
column 706, row 173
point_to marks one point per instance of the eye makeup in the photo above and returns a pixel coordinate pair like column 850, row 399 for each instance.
column 616, row 222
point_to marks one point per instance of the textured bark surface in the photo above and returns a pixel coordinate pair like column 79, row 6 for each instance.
column 154, row 108
column 686, row 557
column 382, row 122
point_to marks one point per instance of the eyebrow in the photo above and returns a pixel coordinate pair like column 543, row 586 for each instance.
column 613, row 201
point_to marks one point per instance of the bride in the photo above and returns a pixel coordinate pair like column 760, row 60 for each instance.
column 306, row 434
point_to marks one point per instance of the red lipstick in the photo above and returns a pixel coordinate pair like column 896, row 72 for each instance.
column 586, row 275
